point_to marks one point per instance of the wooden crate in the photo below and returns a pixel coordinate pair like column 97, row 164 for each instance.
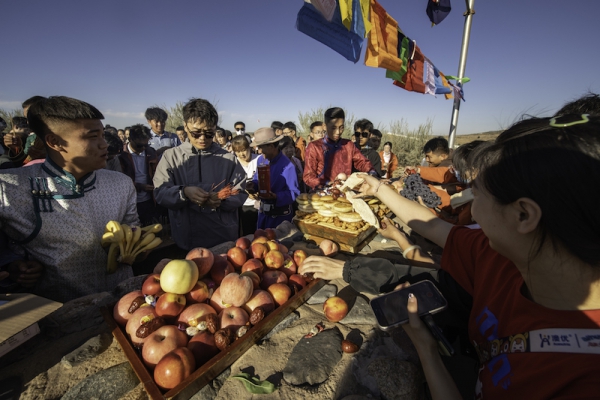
column 218, row 363
column 348, row 241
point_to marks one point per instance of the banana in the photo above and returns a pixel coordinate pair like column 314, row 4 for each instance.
column 108, row 238
column 137, row 234
column 128, row 233
column 113, row 254
column 145, row 240
column 151, row 229
column 154, row 243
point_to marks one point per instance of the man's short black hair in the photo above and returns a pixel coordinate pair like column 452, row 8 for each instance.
column 179, row 128
column 111, row 130
column 315, row 124
column 438, row 145
column 334, row 113
column 19, row 122
column 31, row 100
column 139, row 131
column 58, row 109
column 239, row 123
column 364, row 125
column 376, row 132
column 276, row 125
column 156, row 114
column 115, row 144
column 290, row 125
column 201, row 110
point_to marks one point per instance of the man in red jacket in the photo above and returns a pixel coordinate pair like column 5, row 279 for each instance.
column 332, row 155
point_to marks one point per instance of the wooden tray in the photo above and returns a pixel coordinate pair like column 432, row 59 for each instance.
column 348, row 241
column 218, row 363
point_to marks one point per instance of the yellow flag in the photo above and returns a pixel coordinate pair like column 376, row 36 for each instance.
column 346, row 12
column 365, row 6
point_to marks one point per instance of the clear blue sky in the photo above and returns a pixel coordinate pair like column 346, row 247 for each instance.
column 247, row 56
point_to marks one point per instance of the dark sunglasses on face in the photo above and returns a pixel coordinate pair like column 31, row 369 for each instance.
column 206, row 134
column 363, row 134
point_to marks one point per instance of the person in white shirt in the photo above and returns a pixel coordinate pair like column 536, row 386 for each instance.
column 249, row 161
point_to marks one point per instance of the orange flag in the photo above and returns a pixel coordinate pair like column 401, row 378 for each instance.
column 382, row 49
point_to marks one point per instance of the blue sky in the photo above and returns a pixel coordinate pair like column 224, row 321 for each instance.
column 247, row 57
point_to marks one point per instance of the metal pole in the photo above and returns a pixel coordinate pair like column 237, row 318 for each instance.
column 462, row 63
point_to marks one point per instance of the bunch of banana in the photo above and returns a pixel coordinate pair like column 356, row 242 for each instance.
column 127, row 242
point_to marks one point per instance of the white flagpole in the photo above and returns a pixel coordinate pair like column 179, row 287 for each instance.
column 461, row 68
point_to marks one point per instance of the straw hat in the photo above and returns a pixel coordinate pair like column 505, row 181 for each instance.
column 265, row 136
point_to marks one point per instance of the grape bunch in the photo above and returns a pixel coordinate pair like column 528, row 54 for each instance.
column 414, row 187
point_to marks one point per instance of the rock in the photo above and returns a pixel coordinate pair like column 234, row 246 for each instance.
column 286, row 230
column 396, row 379
column 210, row 391
column 287, row 321
column 129, row 285
column 360, row 314
column 313, row 359
column 323, row 294
column 111, row 383
column 87, row 351
column 79, row 314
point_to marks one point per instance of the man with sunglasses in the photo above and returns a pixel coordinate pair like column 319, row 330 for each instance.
column 138, row 161
column 363, row 129
column 332, row 155
column 189, row 177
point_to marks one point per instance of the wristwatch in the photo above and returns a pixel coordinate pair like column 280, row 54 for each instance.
column 182, row 195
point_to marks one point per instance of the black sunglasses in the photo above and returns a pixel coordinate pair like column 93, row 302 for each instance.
column 206, row 134
column 363, row 134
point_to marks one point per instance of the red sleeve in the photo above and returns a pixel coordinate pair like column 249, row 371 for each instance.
column 360, row 162
column 393, row 165
column 311, row 166
column 437, row 174
column 463, row 248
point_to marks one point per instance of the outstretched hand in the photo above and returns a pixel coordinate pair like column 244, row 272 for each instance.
column 388, row 229
column 322, row 267
column 369, row 186
column 416, row 329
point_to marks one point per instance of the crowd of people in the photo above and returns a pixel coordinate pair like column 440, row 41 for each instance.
column 521, row 251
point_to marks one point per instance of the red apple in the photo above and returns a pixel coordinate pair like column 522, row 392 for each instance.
column 280, row 292
column 161, row 265
column 237, row 257
column 212, row 285
column 233, row 317
column 151, row 285
column 121, row 310
column 335, row 309
column 297, row 282
column 236, row 289
column 139, row 316
column 203, row 347
column 174, row 367
column 259, row 250
column 199, row 293
column 289, row 266
column 221, row 268
column 282, row 248
column 274, row 259
column 254, row 265
column 163, row 340
column 215, row 301
column 243, row 243
column 272, row 276
column 203, row 258
column 260, row 233
column 261, row 239
column 271, row 233
column 254, row 277
column 329, row 248
column 299, row 257
column 195, row 313
column 170, row 305
column 260, row 298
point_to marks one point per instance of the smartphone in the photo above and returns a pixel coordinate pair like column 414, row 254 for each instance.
column 390, row 308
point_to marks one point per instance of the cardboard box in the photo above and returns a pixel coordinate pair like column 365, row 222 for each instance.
column 19, row 314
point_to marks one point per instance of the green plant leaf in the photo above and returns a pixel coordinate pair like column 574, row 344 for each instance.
column 253, row 385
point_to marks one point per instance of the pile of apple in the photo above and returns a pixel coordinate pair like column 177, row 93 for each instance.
column 190, row 310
